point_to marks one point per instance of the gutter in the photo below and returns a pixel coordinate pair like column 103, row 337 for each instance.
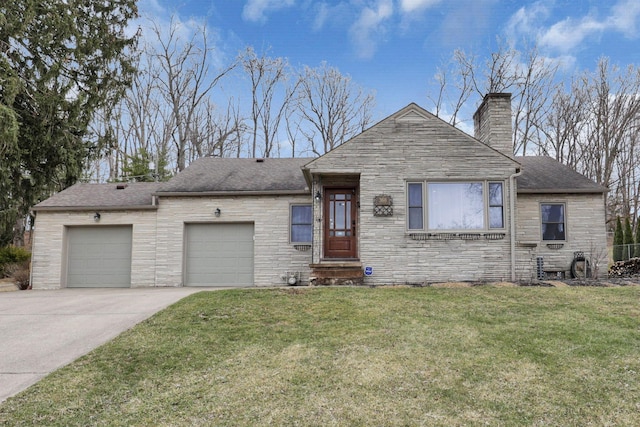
column 230, row 193
column 93, row 208
column 512, row 203
column 562, row 191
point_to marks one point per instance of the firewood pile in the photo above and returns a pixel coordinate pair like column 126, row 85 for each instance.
column 627, row 268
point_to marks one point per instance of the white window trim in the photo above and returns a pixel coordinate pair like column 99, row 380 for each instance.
column 485, row 189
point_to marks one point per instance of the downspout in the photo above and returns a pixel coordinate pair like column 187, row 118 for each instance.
column 33, row 244
column 512, row 220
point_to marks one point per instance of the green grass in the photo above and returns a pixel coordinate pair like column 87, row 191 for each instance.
column 360, row 357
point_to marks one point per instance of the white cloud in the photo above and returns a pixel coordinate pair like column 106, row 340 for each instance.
column 150, row 6
column 369, row 27
column 407, row 6
column 322, row 13
column 256, row 10
column 526, row 20
column 568, row 34
column 331, row 14
column 625, row 17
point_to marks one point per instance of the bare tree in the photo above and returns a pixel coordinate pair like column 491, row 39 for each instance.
column 613, row 110
column 449, row 103
column 611, row 129
column 529, row 78
column 332, row 108
column 594, row 128
column 185, row 82
column 534, row 85
column 271, row 94
column 144, row 113
column 563, row 127
column 168, row 117
column 591, row 124
column 216, row 134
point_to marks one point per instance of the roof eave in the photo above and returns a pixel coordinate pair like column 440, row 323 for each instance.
column 307, row 175
column 562, row 191
column 94, row 208
column 231, row 193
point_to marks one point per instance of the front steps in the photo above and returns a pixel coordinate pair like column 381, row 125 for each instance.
column 337, row 273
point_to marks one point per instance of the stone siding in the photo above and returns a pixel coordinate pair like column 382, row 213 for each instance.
column 158, row 238
column 273, row 254
column 416, row 147
column 585, row 232
column 48, row 264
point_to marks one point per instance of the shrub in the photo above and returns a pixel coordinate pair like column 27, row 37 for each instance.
column 13, row 254
column 10, row 256
column 22, row 276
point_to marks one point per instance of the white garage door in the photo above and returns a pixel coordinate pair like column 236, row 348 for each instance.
column 99, row 257
column 219, row 255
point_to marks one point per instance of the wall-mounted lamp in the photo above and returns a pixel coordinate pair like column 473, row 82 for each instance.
column 217, row 212
column 318, row 196
column 96, row 217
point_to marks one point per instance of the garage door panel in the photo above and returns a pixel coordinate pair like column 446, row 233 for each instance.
column 99, row 256
column 219, row 254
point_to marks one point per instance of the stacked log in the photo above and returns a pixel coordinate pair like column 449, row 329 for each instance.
column 628, row 268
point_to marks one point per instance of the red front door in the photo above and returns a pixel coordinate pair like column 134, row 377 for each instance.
column 340, row 223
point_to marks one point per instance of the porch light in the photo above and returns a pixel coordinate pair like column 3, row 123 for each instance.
column 217, row 212
column 318, row 196
column 96, row 217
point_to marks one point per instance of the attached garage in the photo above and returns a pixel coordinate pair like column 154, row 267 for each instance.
column 219, row 254
column 99, row 257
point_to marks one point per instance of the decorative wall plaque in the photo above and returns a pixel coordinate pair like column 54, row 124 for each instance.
column 383, row 205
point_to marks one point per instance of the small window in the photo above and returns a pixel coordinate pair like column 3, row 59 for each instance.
column 301, row 223
column 553, row 221
column 415, row 206
column 496, row 205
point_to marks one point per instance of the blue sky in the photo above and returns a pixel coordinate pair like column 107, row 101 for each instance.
column 394, row 47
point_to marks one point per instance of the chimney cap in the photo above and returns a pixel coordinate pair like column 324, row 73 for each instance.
column 498, row 95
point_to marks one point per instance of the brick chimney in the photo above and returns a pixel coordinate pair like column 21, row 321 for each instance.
column 492, row 122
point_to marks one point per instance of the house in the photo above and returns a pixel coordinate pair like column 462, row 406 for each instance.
column 409, row 200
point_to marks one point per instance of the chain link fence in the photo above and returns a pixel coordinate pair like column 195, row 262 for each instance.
column 626, row 252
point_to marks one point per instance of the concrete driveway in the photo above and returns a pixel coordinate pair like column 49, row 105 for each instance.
column 41, row 331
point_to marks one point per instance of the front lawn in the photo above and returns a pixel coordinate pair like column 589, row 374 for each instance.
column 359, row 356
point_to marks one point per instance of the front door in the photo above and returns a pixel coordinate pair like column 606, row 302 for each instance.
column 340, row 223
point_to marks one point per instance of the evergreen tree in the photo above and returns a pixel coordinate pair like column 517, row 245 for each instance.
column 627, row 239
column 59, row 62
column 142, row 168
column 636, row 247
column 618, row 241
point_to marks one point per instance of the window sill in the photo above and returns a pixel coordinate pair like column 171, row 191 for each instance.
column 457, row 236
column 555, row 245
column 302, row 247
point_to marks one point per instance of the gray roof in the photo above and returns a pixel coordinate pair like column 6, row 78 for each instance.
column 233, row 175
column 102, row 196
column 211, row 175
column 542, row 174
